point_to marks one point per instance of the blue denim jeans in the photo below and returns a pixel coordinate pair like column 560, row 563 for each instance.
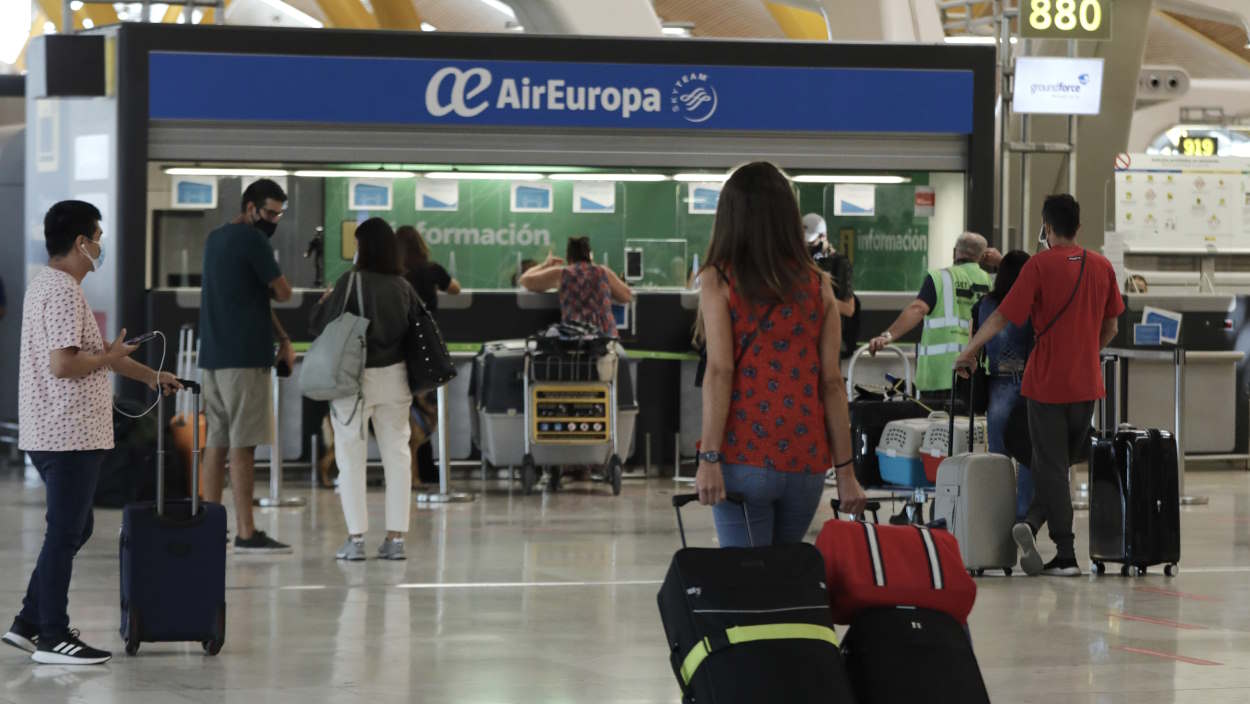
column 1004, row 393
column 781, row 506
column 71, row 479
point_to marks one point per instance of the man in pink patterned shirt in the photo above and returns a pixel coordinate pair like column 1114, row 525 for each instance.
column 65, row 422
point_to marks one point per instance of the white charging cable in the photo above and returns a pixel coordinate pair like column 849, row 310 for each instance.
column 159, row 368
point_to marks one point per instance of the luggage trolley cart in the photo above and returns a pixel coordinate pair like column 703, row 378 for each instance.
column 570, row 413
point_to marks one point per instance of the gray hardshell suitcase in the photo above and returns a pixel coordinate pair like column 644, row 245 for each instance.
column 976, row 496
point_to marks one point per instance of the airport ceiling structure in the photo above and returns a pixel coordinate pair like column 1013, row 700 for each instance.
column 1208, row 38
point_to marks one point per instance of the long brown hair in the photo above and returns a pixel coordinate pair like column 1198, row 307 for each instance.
column 757, row 238
column 758, row 235
column 412, row 246
column 377, row 249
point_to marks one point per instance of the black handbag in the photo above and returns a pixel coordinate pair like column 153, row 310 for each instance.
column 429, row 363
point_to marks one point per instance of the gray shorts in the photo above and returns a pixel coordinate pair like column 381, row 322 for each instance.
column 239, row 407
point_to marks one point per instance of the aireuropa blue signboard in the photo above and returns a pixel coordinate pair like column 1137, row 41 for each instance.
column 350, row 90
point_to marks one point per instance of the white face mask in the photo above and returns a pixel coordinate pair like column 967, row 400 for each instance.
column 96, row 262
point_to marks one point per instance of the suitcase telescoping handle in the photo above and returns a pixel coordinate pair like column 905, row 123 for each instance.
column 871, row 507
column 680, row 500
column 194, row 388
column 972, row 411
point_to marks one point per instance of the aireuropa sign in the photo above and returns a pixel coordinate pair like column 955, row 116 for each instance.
column 1057, row 86
column 354, row 90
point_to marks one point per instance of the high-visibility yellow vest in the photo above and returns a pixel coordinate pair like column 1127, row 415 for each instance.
column 947, row 327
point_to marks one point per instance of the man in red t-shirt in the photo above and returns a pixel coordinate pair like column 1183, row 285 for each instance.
column 1073, row 299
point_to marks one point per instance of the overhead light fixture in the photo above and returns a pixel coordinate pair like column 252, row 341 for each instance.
column 975, row 39
column 331, row 173
column 501, row 7
column 677, row 29
column 214, row 171
column 76, row 5
column 641, row 178
column 484, row 176
column 87, row 23
column 849, row 178
column 687, row 178
column 427, row 27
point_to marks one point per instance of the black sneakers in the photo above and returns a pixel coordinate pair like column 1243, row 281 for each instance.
column 1061, row 567
column 69, row 650
column 22, row 635
column 260, row 544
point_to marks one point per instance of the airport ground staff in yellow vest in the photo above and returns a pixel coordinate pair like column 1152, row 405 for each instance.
column 944, row 304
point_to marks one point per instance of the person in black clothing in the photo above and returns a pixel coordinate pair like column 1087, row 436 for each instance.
column 428, row 278
column 839, row 268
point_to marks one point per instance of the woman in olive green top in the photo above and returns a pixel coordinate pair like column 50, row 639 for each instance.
column 388, row 298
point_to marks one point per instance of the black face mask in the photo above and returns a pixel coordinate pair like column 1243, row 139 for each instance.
column 265, row 226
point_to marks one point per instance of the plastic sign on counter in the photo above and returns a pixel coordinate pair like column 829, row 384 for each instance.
column 403, row 91
column 1168, row 321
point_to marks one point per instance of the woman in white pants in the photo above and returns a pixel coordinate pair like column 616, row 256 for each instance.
column 386, row 298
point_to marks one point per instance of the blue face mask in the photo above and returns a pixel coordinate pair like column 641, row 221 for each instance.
column 96, row 262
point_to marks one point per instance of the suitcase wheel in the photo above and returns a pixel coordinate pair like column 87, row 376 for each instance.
column 615, row 471
column 1007, row 571
column 213, row 645
column 1171, row 570
column 132, row 632
column 1098, row 568
column 529, row 475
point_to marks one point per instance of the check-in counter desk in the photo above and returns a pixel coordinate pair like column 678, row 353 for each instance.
column 658, row 338
column 1216, row 338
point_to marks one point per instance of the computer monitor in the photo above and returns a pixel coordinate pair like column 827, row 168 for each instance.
column 622, row 312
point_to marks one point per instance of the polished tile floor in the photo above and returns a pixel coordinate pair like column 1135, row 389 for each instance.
column 552, row 599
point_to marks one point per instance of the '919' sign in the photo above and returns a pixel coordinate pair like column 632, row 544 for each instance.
column 1066, row 19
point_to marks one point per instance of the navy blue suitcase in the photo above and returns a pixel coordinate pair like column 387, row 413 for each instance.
column 173, row 563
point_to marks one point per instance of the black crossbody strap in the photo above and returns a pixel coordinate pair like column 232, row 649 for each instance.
column 748, row 338
column 1080, row 275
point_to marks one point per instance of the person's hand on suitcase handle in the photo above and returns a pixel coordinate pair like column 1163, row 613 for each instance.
column 167, row 382
column 850, row 493
column 965, row 363
column 680, row 500
column 709, row 483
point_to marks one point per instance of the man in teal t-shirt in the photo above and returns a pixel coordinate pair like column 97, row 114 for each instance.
column 237, row 329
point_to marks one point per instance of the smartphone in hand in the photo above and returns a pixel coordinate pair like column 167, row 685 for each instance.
column 145, row 337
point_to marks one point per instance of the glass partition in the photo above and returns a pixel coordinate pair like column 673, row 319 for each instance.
column 487, row 224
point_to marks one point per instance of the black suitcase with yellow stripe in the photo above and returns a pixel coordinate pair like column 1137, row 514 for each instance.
column 751, row 624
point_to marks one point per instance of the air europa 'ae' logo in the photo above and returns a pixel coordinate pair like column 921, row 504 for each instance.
column 693, row 97
column 466, row 86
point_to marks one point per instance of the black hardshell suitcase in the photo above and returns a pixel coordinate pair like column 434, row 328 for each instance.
column 1134, row 503
column 173, row 562
column 751, row 624
column 905, row 655
column 869, row 416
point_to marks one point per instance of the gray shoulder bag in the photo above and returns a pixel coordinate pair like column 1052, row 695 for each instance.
column 334, row 366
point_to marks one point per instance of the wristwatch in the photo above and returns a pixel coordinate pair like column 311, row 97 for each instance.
column 887, row 335
column 711, row 456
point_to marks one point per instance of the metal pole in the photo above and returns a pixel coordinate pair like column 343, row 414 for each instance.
column 1179, row 379
column 67, row 18
column 1004, row 66
column 275, row 499
column 1072, row 125
column 313, row 460
column 646, row 439
column 444, row 496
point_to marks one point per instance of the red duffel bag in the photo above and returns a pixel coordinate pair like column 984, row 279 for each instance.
column 870, row 565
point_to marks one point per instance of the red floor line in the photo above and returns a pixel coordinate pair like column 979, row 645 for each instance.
column 1157, row 621
column 1181, row 595
column 1166, row 656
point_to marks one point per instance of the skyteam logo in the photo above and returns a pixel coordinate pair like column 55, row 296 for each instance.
column 694, row 97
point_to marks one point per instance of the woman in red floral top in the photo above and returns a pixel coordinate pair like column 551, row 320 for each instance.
column 587, row 290
column 774, row 402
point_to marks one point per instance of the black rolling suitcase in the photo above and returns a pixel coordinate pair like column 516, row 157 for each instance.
column 751, row 624
column 173, row 562
column 1134, row 502
column 905, row 655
